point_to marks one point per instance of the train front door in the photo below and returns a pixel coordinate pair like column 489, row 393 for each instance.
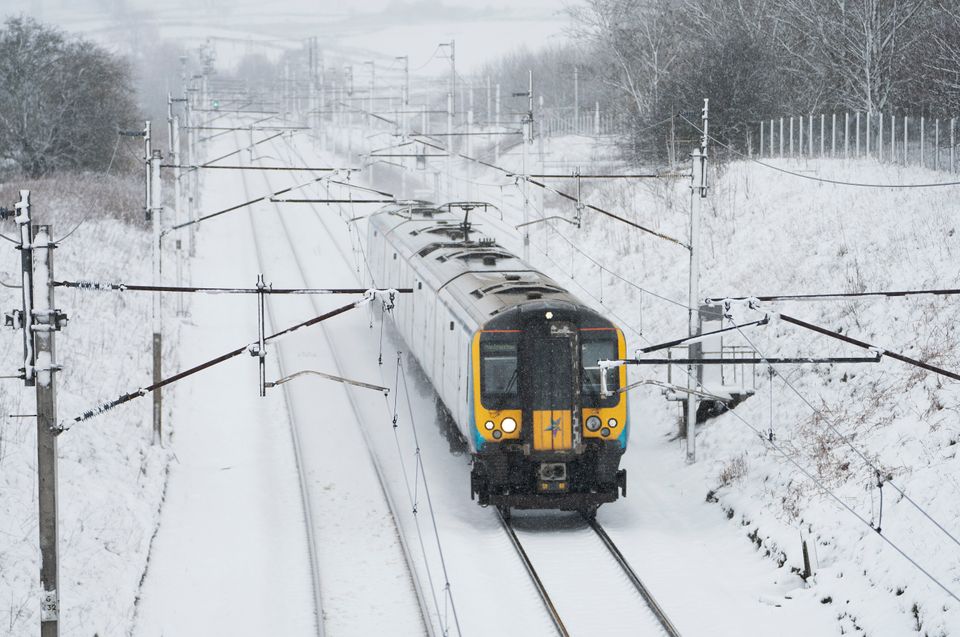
column 551, row 392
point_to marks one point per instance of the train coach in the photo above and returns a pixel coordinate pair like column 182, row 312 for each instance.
column 512, row 356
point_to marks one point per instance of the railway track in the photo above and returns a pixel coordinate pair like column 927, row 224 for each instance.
column 427, row 624
column 662, row 622
column 649, row 617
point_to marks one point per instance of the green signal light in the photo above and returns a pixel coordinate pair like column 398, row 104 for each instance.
column 216, row 104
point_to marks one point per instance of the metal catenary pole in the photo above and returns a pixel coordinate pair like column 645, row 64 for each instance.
column 449, row 162
column 175, row 159
column 156, row 206
column 527, row 140
column 453, row 74
column 698, row 194
column 45, row 322
column 576, row 99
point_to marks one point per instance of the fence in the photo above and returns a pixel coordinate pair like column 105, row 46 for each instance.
column 595, row 123
column 906, row 140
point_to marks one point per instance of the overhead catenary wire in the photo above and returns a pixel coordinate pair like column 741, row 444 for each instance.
column 239, row 206
column 606, row 268
column 143, row 391
column 311, row 169
column 426, row 491
column 449, row 599
column 846, row 440
column 835, row 296
column 124, row 287
column 241, row 149
column 607, row 213
column 833, row 496
column 885, row 352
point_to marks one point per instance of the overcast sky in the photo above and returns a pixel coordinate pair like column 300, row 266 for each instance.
column 483, row 29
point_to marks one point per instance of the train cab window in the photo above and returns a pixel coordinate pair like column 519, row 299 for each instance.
column 498, row 374
column 592, row 351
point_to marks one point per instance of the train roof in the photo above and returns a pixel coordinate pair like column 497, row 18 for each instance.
column 482, row 276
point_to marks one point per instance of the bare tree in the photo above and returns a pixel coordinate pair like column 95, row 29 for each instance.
column 857, row 46
column 62, row 100
column 942, row 57
column 638, row 38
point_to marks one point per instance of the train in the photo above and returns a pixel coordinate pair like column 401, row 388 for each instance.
column 512, row 356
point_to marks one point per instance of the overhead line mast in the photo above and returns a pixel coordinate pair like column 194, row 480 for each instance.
column 698, row 192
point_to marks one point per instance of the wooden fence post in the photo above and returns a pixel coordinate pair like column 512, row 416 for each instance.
column 880, row 136
column 857, row 124
column 893, row 138
column 922, row 139
column 833, row 137
column 906, row 136
column 846, row 135
column 936, row 145
column 781, row 138
column 791, row 137
column 800, row 122
column 823, row 123
column 953, row 145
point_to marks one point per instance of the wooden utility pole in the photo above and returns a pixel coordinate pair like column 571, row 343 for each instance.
column 46, row 321
column 39, row 319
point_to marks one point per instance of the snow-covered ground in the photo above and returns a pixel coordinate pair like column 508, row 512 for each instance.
column 231, row 555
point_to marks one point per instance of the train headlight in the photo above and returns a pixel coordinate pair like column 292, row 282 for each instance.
column 509, row 425
column 612, row 423
column 488, row 425
column 593, row 423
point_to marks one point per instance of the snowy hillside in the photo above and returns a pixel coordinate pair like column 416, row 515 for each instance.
column 111, row 477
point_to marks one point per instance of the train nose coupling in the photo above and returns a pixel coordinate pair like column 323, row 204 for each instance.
column 553, row 471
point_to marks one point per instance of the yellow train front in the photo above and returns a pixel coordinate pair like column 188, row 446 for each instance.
column 512, row 357
column 545, row 437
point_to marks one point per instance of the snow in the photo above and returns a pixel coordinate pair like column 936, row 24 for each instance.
column 236, row 491
column 230, row 552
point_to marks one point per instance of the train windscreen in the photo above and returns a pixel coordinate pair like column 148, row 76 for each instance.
column 592, row 351
column 498, row 374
